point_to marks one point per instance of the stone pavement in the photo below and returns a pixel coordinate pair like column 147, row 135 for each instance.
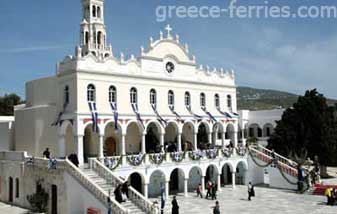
column 267, row 201
column 8, row 209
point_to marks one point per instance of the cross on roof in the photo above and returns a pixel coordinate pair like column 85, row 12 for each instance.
column 168, row 29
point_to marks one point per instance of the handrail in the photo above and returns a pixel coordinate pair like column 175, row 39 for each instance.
column 137, row 198
column 279, row 157
column 94, row 188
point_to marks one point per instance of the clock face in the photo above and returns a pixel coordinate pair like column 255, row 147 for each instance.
column 169, row 67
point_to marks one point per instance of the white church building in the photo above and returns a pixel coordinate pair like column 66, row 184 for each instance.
column 154, row 119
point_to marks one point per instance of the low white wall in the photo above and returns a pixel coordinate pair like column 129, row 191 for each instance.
column 6, row 136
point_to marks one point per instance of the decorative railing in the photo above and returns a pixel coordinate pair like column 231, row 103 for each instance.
column 134, row 196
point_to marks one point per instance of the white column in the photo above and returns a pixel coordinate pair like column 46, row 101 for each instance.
column 123, row 152
column 162, row 142
column 143, row 143
column 100, row 149
column 219, row 182
column 203, row 184
column 62, row 146
column 79, row 141
column 235, row 139
column 186, row 187
column 223, row 140
column 146, row 190
column 233, row 180
column 167, row 189
column 195, row 142
column 179, row 142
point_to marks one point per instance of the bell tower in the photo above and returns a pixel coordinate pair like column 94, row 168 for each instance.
column 93, row 31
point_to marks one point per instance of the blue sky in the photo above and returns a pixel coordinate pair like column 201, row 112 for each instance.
column 284, row 54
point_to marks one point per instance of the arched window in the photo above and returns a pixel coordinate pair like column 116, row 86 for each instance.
column 93, row 11
column 86, row 37
column 112, row 94
column 99, row 38
column 133, row 95
column 91, row 93
column 217, row 100
column 98, row 12
column 171, row 99
column 187, row 99
column 153, row 97
column 202, row 100
column 66, row 95
column 229, row 102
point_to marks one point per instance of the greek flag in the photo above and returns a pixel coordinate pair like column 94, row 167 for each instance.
column 210, row 115
column 114, row 110
column 159, row 118
column 58, row 120
column 135, row 110
column 94, row 116
column 174, row 112
column 225, row 113
column 194, row 115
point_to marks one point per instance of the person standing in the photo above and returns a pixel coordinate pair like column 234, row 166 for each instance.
column 328, row 196
column 199, row 191
column 175, row 206
column 46, row 153
column 250, row 188
column 163, row 198
column 216, row 209
column 214, row 189
column 209, row 189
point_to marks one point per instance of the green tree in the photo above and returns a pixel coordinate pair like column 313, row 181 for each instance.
column 7, row 104
column 308, row 128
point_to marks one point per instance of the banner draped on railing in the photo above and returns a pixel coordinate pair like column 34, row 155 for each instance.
column 228, row 115
column 115, row 111
column 58, row 120
column 210, row 115
column 94, row 116
column 135, row 110
column 198, row 117
column 174, row 112
column 159, row 118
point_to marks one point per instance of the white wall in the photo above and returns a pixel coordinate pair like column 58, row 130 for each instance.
column 6, row 136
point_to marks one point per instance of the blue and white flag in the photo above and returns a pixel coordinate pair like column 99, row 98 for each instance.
column 94, row 116
column 115, row 111
column 198, row 117
column 159, row 118
column 225, row 113
column 210, row 115
column 174, row 112
column 135, row 110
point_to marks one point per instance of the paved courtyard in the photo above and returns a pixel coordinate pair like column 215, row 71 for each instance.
column 8, row 209
column 267, row 201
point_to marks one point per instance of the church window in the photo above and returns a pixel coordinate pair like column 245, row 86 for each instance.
column 133, row 95
column 171, row 99
column 86, row 37
column 112, row 94
column 217, row 101
column 91, row 91
column 153, row 97
column 229, row 102
column 202, row 100
column 187, row 100
column 99, row 38
column 93, row 11
column 66, row 95
column 98, row 12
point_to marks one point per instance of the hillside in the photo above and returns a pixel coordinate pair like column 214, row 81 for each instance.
column 263, row 99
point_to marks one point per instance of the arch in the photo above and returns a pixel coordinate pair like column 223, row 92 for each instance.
column 99, row 15
column 195, row 176
column 93, row 11
column 91, row 93
column 226, row 170
column 153, row 134
column 203, row 141
column 217, row 134
column 133, row 96
column 136, row 180
column 112, row 138
column 188, row 130
column 268, row 130
column 177, row 178
column 255, row 130
column 133, row 137
column 90, row 143
column 212, row 173
column 171, row 136
column 156, row 179
column 241, row 173
column 99, row 38
column 112, row 94
column 230, row 134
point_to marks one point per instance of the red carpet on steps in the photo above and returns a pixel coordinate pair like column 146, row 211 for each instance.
column 320, row 189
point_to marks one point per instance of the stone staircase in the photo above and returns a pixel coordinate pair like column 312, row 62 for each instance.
column 104, row 185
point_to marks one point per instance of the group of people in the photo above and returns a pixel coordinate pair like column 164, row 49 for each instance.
column 211, row 190
column 52, row 161
column 122, row 192
column 331, row 195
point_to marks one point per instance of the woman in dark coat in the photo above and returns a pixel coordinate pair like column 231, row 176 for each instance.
column 175, row 207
